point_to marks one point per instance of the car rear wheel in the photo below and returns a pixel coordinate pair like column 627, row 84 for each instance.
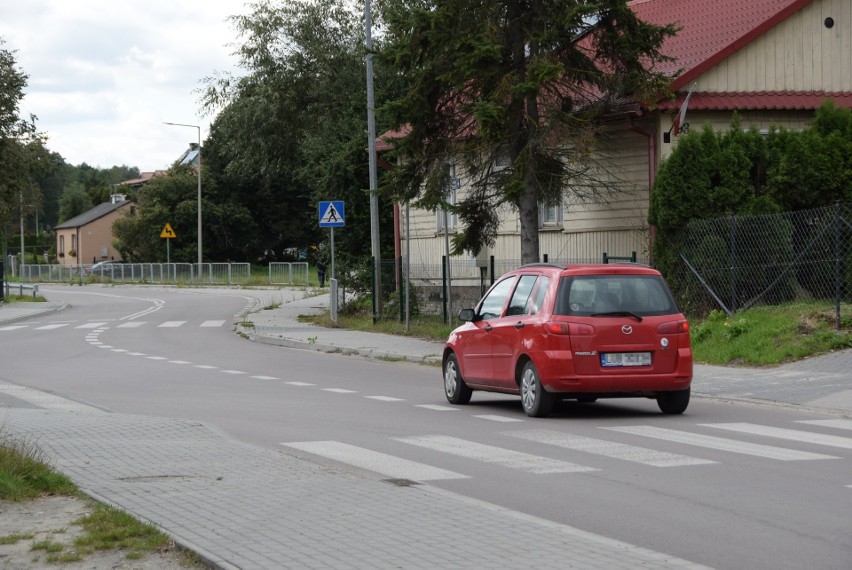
column 537, row 401
column 673, row 402
column 456, row 391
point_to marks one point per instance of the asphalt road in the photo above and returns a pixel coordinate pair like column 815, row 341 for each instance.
column 728, row 485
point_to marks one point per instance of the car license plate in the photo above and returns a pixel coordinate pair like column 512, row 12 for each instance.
column 626, row 359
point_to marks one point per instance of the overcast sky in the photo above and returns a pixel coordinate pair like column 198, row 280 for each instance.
column 105, row 74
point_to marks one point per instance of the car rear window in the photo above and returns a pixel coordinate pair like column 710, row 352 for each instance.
column 643, row 295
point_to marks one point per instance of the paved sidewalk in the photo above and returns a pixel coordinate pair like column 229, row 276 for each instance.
column 241, row 506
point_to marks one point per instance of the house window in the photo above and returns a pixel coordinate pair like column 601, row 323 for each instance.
column 61, row 244
column 502, row 160
column 450, row 196
column 74, row 242
column 549, row 216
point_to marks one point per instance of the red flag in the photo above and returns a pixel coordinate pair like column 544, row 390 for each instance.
column 680, row 119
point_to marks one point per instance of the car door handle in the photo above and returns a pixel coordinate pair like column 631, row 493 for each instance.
column 488, row 327
column 519, row 325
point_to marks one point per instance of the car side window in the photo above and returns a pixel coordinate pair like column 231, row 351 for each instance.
column 491, row 306
column 521, row 297
column 537, row 300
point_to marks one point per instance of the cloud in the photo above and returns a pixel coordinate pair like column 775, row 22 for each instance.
column 104, row 75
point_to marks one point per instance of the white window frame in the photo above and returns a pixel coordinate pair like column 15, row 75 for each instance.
column 451, row 198
column 549, row 216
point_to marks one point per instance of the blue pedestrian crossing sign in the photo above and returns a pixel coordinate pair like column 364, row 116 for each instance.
column 331, row 214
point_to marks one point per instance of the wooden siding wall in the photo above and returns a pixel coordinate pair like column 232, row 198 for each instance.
column 800, row 54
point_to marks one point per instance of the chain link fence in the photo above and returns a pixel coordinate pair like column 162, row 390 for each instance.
column 738, row 262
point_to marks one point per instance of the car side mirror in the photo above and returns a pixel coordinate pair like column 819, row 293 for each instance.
column 467, row 315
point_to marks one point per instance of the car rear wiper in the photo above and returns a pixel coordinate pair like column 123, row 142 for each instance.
column 618, row 314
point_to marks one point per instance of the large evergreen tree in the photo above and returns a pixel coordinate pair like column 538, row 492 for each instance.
column 520, row 80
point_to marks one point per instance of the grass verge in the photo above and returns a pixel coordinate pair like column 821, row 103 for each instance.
column 25, row 299
column 425, row 327
column 767, row 336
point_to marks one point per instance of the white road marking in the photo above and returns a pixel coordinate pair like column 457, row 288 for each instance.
column 300, row 384
column 51, row 327
column 206, row 366
column 119, row 350
column 212, row 323
column 131, row 324
column 339, row 390
column 266, row 378
column 788, row 434
column 494, row 418
column 135, row 354
column 235, row 372
column 385, row 398
column 179, row 362
column 612, row 449
column 437, row 408
column 721, row 444
column 491, row 454
column 90, row 326
column 106, row 346
column 95, row 342
column 838, row 424
column 157, row 358
column 13, row 327
column 171, row 324
column 387, row 465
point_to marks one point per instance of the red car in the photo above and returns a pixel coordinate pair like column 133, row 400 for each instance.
column 579, row 332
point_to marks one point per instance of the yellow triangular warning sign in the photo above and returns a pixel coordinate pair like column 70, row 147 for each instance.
column 168, row 232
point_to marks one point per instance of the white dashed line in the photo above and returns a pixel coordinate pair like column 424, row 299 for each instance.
column 265, row 378
column 179, row 362
column 839, row 424
column 13, row 327
column 300, row 384
column 437, row 408
column 235, row 372
column 119, row 350
column 51, row 327
column 171, row 324
column 385, row 398
column 212, row 323
column 135, row 354
column 131, row 324
column 157, row 358
column 339, row 390
column 206, row 367
column 90, row 326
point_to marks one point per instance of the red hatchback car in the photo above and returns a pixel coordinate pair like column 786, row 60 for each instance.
column 579, row 332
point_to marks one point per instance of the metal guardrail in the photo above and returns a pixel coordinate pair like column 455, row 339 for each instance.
column 20, row 287
column 281, row 273
column 165, row 273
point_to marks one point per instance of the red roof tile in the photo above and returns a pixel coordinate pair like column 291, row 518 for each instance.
column 788, row 100
column 711, row 30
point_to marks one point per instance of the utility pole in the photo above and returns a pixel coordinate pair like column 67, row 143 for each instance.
column 371, row 146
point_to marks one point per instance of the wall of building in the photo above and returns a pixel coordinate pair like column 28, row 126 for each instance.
column 96, row 240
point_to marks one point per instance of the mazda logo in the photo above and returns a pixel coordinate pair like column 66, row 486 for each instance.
column 627, row 329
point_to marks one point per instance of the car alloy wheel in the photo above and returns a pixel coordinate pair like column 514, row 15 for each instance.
column 537, row 401
column 455, row 389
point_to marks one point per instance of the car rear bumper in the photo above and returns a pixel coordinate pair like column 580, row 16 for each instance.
column 559, row 375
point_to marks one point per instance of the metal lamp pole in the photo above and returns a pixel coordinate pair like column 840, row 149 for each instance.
column 199, row 184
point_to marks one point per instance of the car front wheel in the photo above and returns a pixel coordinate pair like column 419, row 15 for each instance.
column 537, row 401
column 673, row 402
column 456, row 391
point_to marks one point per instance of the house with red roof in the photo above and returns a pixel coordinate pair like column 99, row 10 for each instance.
column 772, row 61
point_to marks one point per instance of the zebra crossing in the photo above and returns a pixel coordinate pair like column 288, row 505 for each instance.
column 101, row 324
column 574, row 453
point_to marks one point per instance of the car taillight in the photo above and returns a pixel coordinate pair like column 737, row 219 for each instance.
column 674, row 327
column 569, row 328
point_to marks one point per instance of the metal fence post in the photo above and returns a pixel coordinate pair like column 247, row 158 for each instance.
column 734, row 263
column 444, row 287
column 373, row 286
column 837, row 268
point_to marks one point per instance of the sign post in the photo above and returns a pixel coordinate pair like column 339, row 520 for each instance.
column 332, row 215
column 168, row 233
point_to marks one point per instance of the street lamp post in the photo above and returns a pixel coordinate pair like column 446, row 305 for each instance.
column 199, row 183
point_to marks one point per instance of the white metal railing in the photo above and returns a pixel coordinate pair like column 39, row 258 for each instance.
column 281, row 273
